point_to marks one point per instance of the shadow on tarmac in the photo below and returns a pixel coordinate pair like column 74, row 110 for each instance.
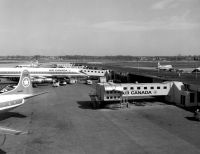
column 84, row 104
column 87, row 105
column 112, row 105
column 192, row 118
column 2, row 152
column 7, row 115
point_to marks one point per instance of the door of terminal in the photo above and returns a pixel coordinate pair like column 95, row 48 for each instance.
column 198, row 98
column 183, row 100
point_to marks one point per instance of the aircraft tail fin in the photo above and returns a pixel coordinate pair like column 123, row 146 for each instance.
column 24, row 85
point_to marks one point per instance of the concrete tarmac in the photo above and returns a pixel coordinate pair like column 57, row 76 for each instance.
column 62, row 122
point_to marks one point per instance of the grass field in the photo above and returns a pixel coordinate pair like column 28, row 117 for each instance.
column 175, row 64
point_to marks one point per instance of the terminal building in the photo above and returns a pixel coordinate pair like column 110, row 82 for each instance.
column 174, row 92
column 184, row 95
column 112, row 91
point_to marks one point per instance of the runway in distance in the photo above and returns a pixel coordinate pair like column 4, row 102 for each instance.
column 15, row 98
column 164, row 67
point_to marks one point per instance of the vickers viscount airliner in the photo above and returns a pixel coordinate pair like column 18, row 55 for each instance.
column 43, row 74
column 15, row 98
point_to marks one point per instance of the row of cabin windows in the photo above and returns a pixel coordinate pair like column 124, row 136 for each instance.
column 145, row 88
column 93, row 71
column 113, row 97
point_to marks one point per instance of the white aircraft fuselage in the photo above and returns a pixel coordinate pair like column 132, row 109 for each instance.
column 9, row 102
column 41, row 72
column 16, row 97
column 165, row 67
column 94, row 72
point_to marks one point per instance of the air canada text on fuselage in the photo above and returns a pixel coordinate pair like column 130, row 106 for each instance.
column 136, row 92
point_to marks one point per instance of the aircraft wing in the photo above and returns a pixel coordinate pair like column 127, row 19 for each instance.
column 39, row 77
column 10, row 131
column 84, row 74
column 33, row 95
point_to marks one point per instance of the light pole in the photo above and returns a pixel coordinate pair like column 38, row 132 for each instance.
column 138, row 64
column 196, row 71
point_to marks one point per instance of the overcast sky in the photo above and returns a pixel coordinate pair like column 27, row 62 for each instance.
column 100, row 27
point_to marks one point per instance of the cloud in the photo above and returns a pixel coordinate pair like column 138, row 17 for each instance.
column 165, row 4
column 173, row 23
column 162, row 4
column 120, row 26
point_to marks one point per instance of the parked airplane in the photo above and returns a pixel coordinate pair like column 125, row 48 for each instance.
column 196, row 70
column 15, row 98
column 41, row 74
column 84, row 69
column 68, row 65
column 33, row 64
column 165, row 67
column 95, row 72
